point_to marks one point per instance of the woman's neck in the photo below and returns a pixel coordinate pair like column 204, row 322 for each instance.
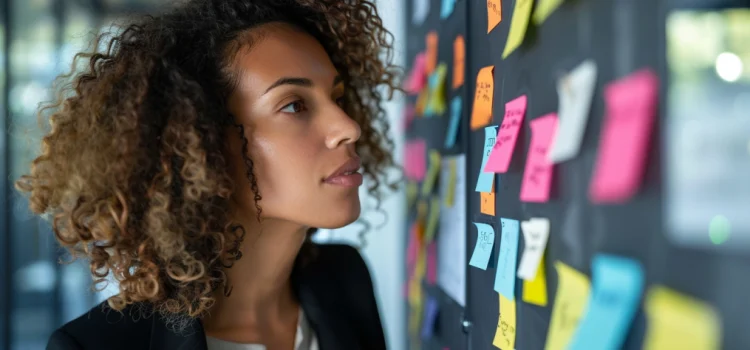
column 261, row 291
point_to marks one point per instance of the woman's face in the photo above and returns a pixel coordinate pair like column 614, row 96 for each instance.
column 300, row 140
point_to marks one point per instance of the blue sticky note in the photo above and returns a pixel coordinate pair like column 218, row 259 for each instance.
column 447, row 8
column 505, row 277
column 430, row 315
column 484, row 247
column 484, row 183
column 455, row 122
column 617, row 285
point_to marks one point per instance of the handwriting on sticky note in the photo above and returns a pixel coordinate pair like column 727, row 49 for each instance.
column 616, row 295
column 432, row 219
column 535, row 234
column 436, row 104
column 505, row 277
column 432, row 173
column 432, row 263
column 481, row 113
column 621, row 162
column 487, row 202
column 421, row 9
column 537, row 176
column 502, row 150
column 543, row 9
column 431, row 44
column 572, row 297
column 575, row 92
column 416, row 159
column 452, row 176
column 455, row 122
column 678, row 321
column 430, row 315
column 505, row 335
column 518, row 25
column 486, row 179
column 494, row 14
column 459, row 61
column 447, row 8
column 484, row 247
column 535, row 291
column 417, row 77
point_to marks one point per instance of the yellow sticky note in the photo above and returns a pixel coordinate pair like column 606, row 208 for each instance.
column 432, row 172
column 570, row 303
column 505, row 335
column 518, row 25
column 487, row 202
column 544, row 8
column 494, row 14
column 678, row 321
column 535, row 291
column 422, row 99
column 481, row 114
column 436, row 104
column 431, row 42
column 451, row 190
column 432, row 219
column 411, row 193
column 459, row 61
column 422, row 207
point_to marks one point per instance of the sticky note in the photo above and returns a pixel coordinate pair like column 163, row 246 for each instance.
column 430, row 315
column 535, row 291
column 486, row 179
column 535, row 234
column 431, row 44
column 455, row 122
column 452, row 176
column 543, row 9
column 408, row 116
column 616, row 294
column 572, row 297
column 415, row 165
column 494, row 14
column 422, row 99
column 420, row 10
column 431, row 263
column 436, row 104
column 459, row 61
column 678, row 321
column 505, row 278
column 422, row 208
column 518, row 25
column 483, row 249
column 411, row 193
column 487, row 202
column 481, row 113
column 414, row 242
column 505, row 335
column 432, row 219
column 575, row 92
column 621, row 161
column 447, row 8
column 417, row 77
column 537, row 176
column 432, row 173
column 502, row 150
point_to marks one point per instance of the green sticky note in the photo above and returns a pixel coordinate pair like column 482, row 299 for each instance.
column 544, row 8
column 518, row 25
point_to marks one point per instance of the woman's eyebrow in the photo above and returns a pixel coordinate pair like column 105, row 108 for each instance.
column 305, row 82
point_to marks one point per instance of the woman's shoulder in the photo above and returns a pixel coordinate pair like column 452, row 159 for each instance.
column 104, row 328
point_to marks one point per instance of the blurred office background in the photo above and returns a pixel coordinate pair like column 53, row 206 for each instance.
column 38, row 39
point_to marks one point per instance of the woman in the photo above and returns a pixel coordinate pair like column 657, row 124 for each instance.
column 224, row 129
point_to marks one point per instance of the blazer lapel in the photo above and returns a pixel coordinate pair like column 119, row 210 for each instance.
column 163, row 338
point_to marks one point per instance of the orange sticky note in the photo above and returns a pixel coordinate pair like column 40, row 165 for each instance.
column 623, row 149
column 494, row 14
column 487, row 205
column 459, row 59
column 537, row 177
column 505, row 143
column 431, row 41
column 481, row 114
column 422, row 100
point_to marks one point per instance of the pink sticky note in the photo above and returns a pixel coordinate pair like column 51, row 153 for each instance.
column 416, row 159
column 507, row 134
column 418, row 76
column 620, row 164
column 537, row 177
column 432, row 263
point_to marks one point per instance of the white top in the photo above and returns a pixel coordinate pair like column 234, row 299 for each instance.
column 304, row 340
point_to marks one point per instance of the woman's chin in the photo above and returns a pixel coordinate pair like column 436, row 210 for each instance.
column 340, row 218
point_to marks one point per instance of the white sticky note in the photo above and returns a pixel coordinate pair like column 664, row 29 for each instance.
column 421, row 9
column 575, row 91
column 535, row 234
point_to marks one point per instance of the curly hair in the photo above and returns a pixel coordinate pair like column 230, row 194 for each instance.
column 132, row 172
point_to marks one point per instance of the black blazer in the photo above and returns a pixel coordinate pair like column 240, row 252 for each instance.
column 334, row 290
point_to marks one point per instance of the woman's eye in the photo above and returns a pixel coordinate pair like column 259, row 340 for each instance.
column 294, row 107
